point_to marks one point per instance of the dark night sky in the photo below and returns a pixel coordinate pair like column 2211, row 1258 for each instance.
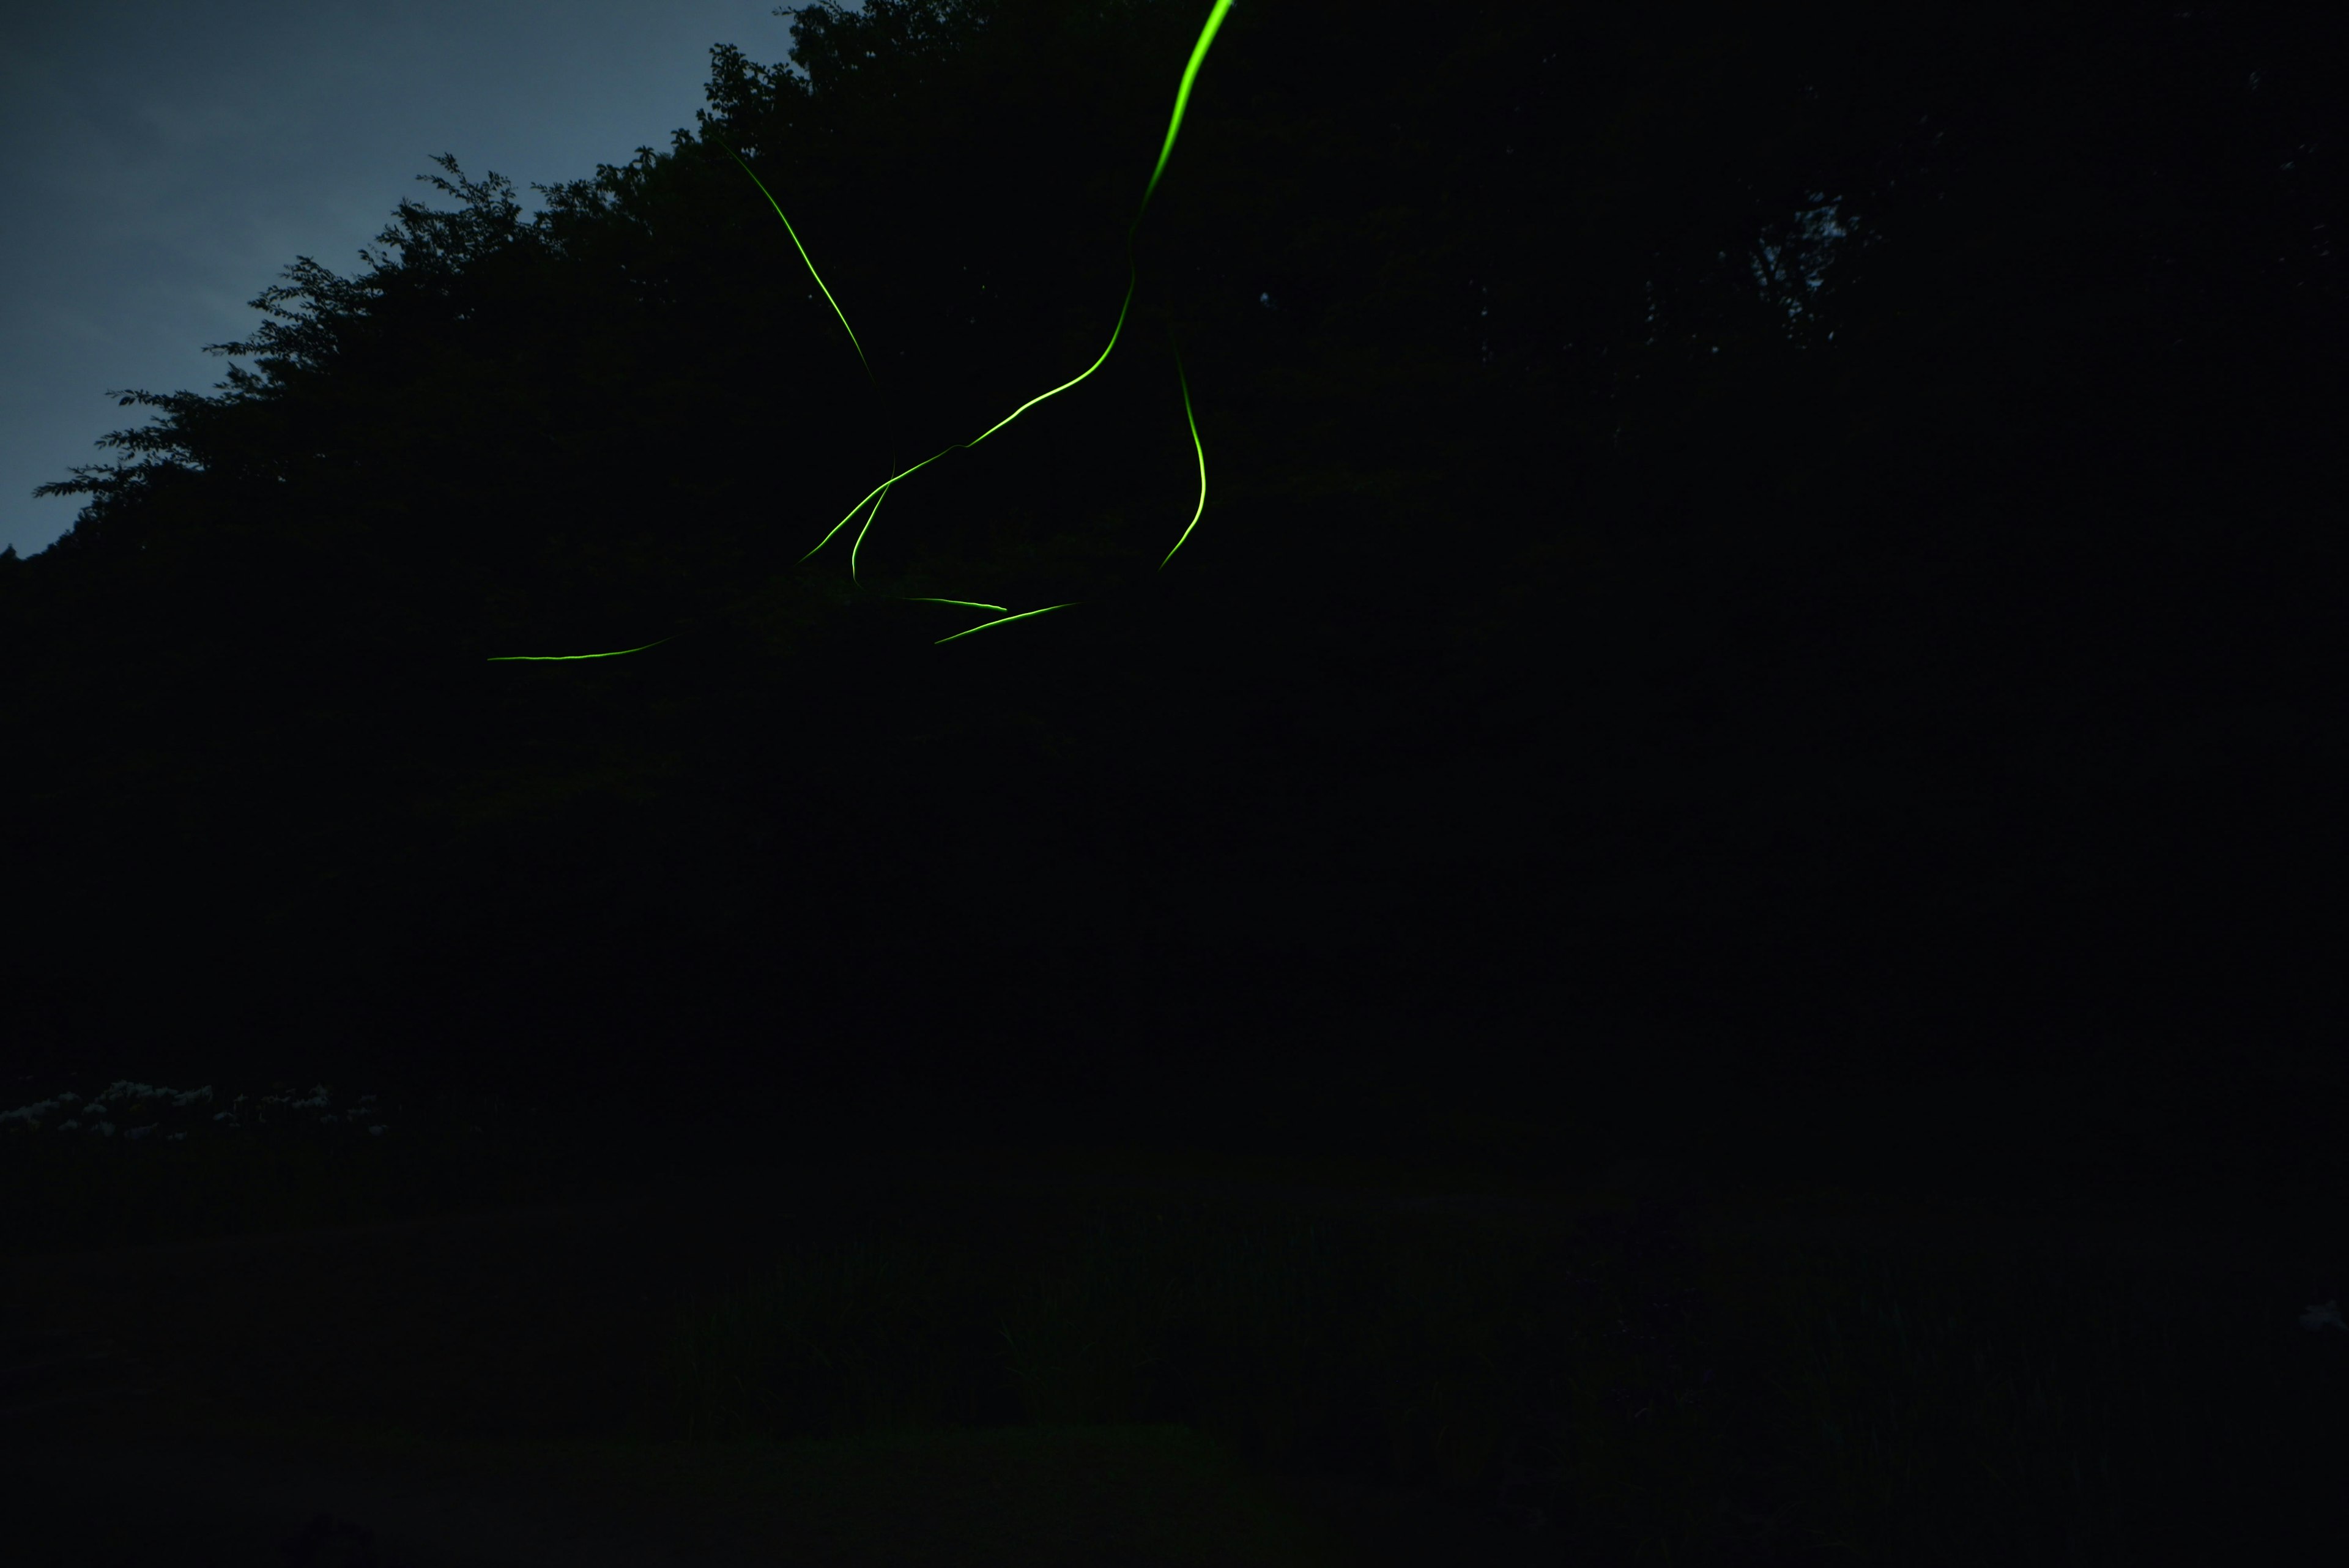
column 165, row 162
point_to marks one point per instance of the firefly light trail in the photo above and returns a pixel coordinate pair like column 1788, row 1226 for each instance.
column 778, row 206
column 567, row 657
column 1202, row 451
column 1133, row 275
column 982, row 626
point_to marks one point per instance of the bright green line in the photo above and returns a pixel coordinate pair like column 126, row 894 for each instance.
column 1023, row 614
column 778, row 206
column 794, row 233
column 1133, row 277
column 567, row 657
column 876, row 491
column 966, row 445
column 1182, row 94
column 1202, row 451
column 859, row 544
column 967, row 604
column 1130, row 278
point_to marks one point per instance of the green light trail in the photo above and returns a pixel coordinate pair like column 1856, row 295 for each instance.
column 1183, row 97
column 1133, row 278
column 859, row 544
column 875, row 497
column 1023, row 614
column 844, row 327
column 1202, row 451
column 569, row 658
column 883, row 487
column 778, row 206
column 967, row 604
column 878, row 490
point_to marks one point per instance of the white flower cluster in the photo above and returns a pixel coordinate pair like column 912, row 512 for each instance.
column 138, row 1111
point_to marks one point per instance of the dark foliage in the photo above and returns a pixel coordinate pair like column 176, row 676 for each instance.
column 1739, row 545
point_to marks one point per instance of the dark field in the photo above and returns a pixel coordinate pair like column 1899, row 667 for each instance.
column 583, row 1347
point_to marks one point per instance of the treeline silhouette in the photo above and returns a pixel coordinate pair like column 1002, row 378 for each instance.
column 1741, row 547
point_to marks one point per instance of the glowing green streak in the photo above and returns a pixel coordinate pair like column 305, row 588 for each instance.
column 966, row 445
column 1023, row 614
column 876, row 490
column 967, row 604
column 794, row 233
column 778, row 206
column 844, row 327
column 1130, row 279
column 1133, row 277
column 859, row 544
column 1182, row 96
column 567, row 657
column 1202, row 451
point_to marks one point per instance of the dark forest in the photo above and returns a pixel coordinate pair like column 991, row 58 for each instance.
column 1746, row 557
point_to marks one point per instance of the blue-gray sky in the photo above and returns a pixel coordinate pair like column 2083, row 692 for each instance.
column 164, row 162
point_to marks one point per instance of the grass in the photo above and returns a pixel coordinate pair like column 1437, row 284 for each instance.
column 1597, row 1379
column 1031, row 1496
column 1643, row 1395
column 1999, row 1411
